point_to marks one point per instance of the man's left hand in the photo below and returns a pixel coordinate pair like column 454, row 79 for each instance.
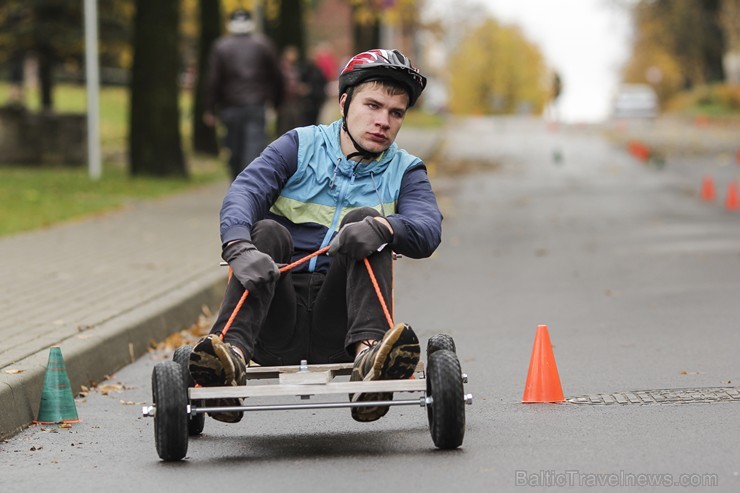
column 361, row 239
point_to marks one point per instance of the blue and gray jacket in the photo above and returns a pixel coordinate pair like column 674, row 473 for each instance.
column 304, row 181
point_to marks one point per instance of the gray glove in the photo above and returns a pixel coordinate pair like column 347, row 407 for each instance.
column 361, row 239
column 250, row 266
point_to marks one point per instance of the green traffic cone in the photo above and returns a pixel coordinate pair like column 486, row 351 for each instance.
column 57, row 402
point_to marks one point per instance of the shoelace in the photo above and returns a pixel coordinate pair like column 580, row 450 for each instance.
column 369, row 344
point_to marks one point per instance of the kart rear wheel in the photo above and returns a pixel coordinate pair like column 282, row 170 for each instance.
column 170, row 417
column 446, row 411
column 196, row 422
column 440, row 341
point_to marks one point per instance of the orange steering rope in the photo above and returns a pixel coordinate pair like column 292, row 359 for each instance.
column 295, row 264
column 370, row 272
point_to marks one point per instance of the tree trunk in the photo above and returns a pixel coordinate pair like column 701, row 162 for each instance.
column 155, row 145
column 730, row 22
column 205, row 139
column 290, row 31
column 365, row 36
column 46, row 82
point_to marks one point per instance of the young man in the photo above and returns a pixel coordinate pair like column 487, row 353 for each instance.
column 346, row 185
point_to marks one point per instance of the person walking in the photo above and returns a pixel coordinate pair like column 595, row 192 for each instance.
column 243, row 78
column 346, row 186
column 292, row 111
column 315, row 82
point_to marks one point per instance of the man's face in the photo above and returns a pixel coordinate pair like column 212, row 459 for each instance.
column 374, row 118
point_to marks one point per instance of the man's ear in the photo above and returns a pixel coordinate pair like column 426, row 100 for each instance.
column 342, row 99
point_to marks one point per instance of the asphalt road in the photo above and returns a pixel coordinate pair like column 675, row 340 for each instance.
column 637, row 279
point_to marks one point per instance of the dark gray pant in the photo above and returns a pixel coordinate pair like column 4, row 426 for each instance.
column 312, row 316
column 246, row 135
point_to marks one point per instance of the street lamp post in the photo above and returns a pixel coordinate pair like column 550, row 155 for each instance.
column 93, row 89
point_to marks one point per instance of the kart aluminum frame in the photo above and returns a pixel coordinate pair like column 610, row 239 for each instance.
column 306, row 381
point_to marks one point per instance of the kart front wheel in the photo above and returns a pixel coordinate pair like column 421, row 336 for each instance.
column 170, row 416
column 446, row 399
column 196, row 422
column 440, row 341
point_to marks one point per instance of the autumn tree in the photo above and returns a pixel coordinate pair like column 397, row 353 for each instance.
column 154, row 133
column 496, row 70
column 51, row 31
column 369, row 15
column 677, row 45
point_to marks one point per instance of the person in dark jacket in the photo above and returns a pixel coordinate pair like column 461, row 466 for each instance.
column 346, row 186
column 243, row 77
column 315, row 82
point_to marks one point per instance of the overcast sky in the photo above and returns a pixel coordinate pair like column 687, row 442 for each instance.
column 585, row 41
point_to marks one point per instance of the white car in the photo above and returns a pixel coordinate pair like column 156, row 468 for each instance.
column 635, row 101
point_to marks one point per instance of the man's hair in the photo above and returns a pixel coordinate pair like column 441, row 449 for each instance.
column 390, row 86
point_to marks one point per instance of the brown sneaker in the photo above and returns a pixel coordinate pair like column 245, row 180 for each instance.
column 393, row 358
column 214, row 363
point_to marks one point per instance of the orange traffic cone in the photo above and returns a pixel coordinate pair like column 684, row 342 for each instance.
column 731, row 201
column 543, row 381
column 707, row 189
column 639, row 150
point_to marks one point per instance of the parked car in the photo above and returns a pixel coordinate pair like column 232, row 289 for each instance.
column 635, row 101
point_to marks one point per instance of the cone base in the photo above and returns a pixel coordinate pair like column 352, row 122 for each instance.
column 543, row 401
column 60, row 422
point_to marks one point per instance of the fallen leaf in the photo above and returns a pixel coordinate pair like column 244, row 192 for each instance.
column 65, row 425
column 191, row 335
column 13, row 371
column 105, row 389
column 132, row 403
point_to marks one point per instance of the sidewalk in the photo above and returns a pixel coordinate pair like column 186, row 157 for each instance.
column 103, row 288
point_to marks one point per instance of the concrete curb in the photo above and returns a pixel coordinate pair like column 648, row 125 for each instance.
column 93, row 354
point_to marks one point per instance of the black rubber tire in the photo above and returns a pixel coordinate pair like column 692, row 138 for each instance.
column 170, row 417
column 446, row 412
column 440, row 341
column 196, row 422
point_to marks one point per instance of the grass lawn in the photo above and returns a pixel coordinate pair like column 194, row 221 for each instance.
column 32, row 196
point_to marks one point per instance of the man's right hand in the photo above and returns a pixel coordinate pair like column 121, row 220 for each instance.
column 250, row 266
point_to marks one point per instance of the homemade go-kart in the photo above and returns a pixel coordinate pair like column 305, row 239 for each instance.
column 179, row 406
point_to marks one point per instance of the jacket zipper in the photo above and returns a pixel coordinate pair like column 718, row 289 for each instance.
column 345, row 184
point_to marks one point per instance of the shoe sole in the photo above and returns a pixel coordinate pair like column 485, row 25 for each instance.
column 205, row 366
column 227, row 416
column 394, row 362
column 391, row 363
